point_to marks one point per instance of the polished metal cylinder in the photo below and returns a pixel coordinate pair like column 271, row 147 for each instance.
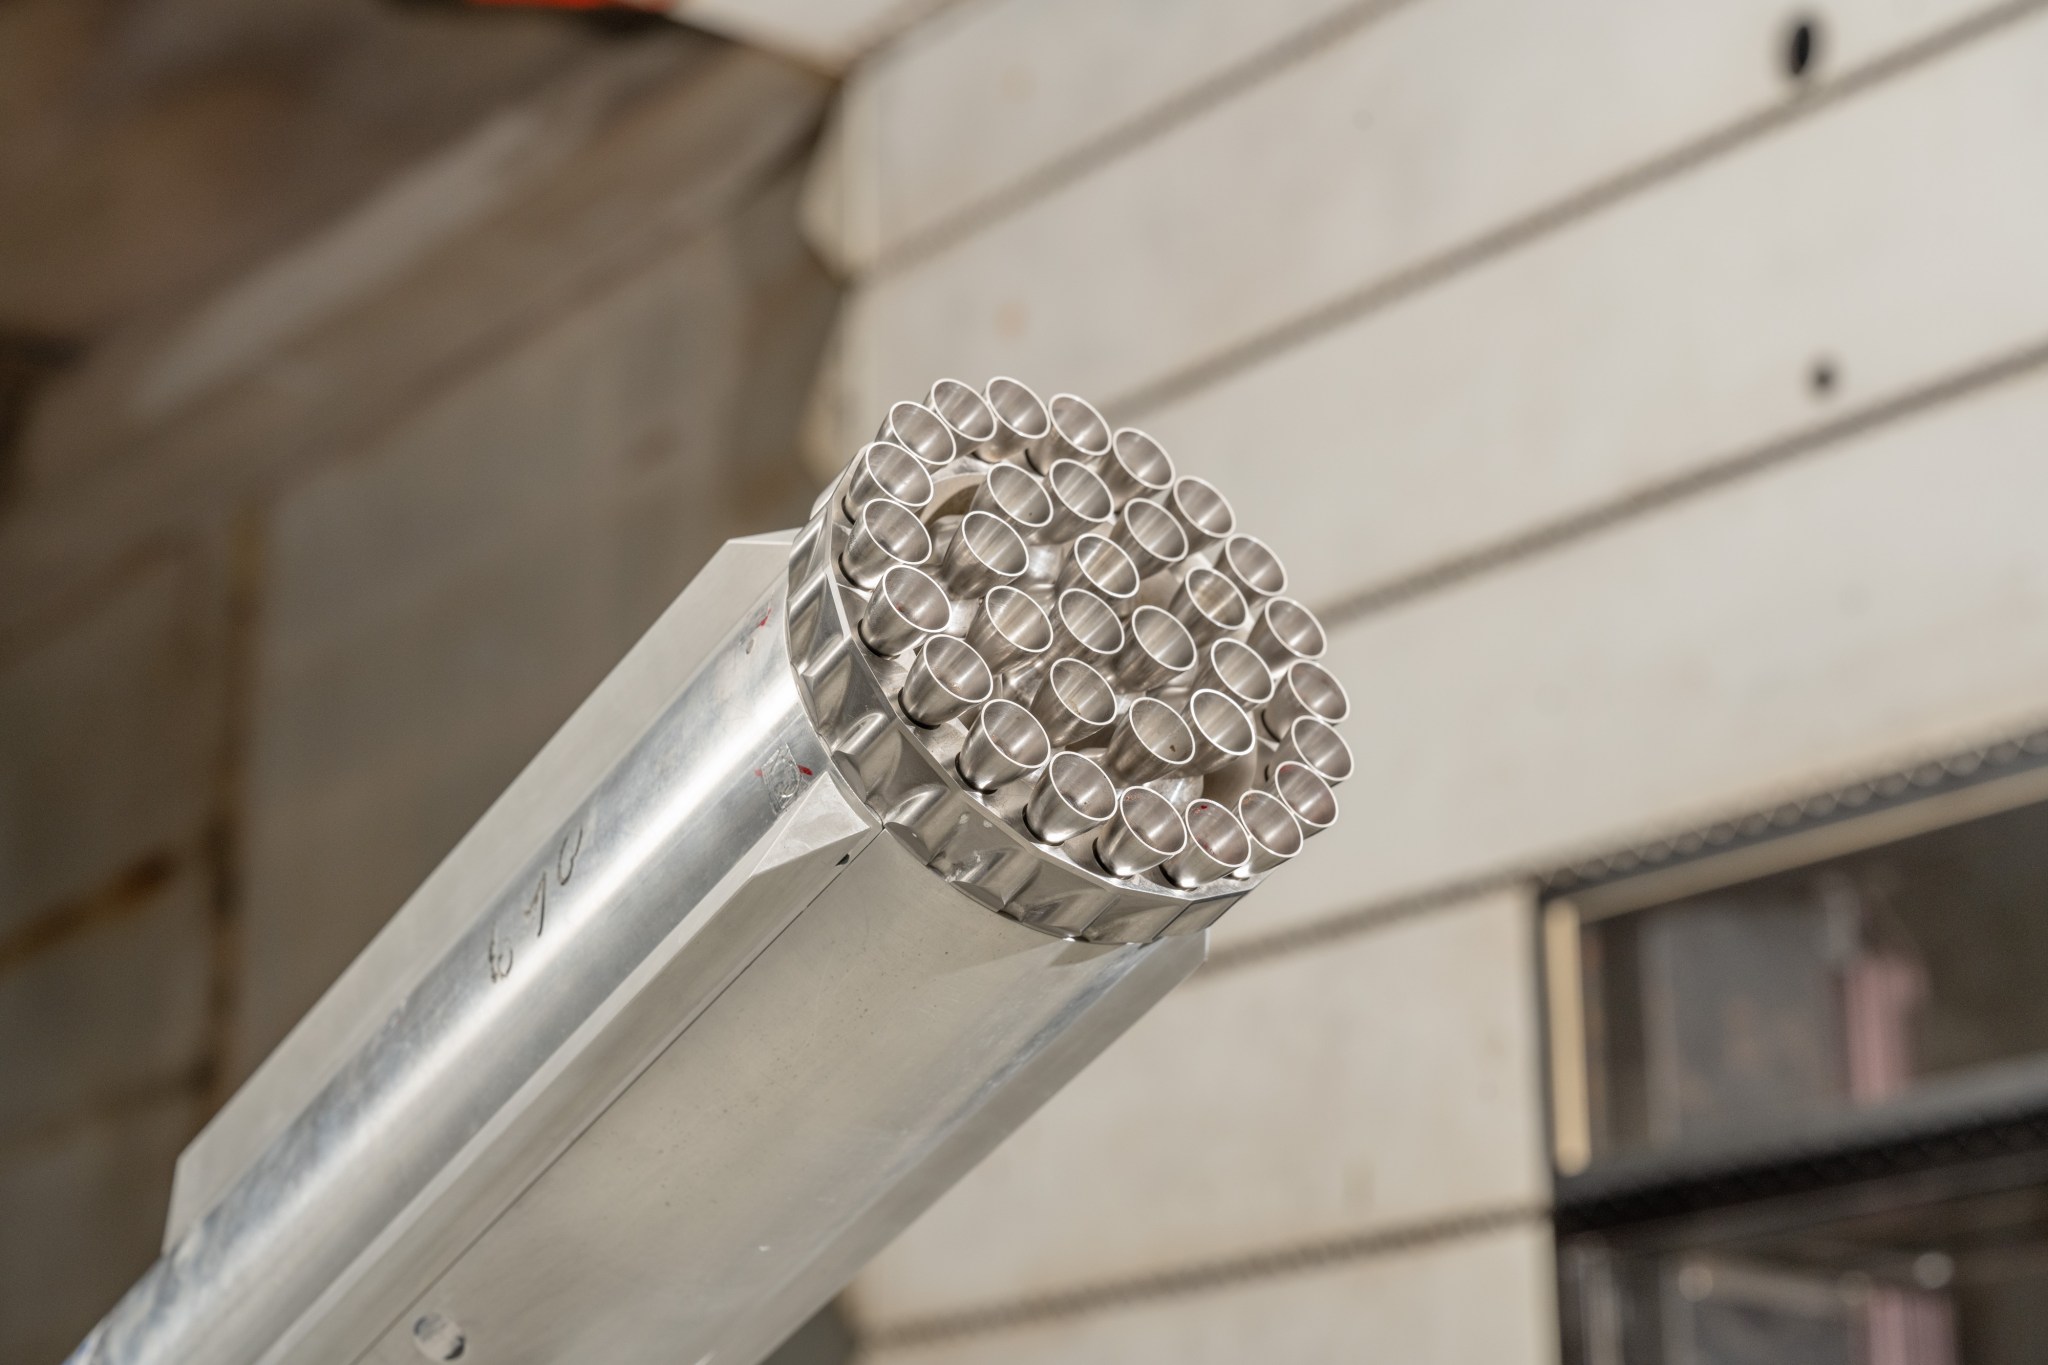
column 1149, row 741
column 884, row 469
column 1223, row 732
column 1100, row 565
column 920, row 431
column 1209, row 605
column 1004, row 744
column 1078, row 433
column 905, row 606
column 1157, row 648
column 1137, row 467
column 1074, row 703
column 1217, row 845
column 1085, row 628
column 985, row 551
column 1308, row 798
column 1251, row 564
column 1150, row 536
column 1235, row 669
column 948, row 679
column 1081, row 501
column 1283, row 630
column 1073, row 796
column 1274, row 833
column 1304, row 688
column 966, row 414
column 1143, row 833
column 1009, row 628
column 1203, row 512
column 1022, row 423
column 1016, row 495
column 1316, row 743
column 885, row 534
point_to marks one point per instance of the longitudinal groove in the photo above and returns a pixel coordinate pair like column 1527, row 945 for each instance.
column 1584, row 203
column 1710, row 474
column 1129, row 136
column 1202, row 1276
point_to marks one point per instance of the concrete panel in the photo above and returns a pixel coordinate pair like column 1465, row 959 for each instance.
column 116, row 1009
column 109, row 736
column 1384, row 1081
column 1891, row 239
column 1446, row 119
column 1866, row 605
column 995, row 93
column 84, row 1210
column 1482, row 1300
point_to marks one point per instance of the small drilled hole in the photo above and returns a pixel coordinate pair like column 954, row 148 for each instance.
column 1821, row 377
column 1802, row 47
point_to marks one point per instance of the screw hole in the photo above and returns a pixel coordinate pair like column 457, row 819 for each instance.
column 438, row 1338
column 1802, row 47
column 1821, row 377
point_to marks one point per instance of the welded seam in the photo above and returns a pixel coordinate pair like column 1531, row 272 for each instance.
column 1204, row 1276
column 1347, row 307
column 1149, row 125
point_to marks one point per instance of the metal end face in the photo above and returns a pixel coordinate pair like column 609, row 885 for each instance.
column 1078, row 432
column 948, row 679
column 1137, row 467
column 1022, row 423
column 1204, row 513
column 1304, row 688
column 1209, row 605
column 1084, row 627
column 1148, row 742
column 1143, row 833
column 1080, row 499
column 1308, row 798
column 1010, row 628
column 1217, row 846
column 1223, row 732
column 1016, row 496
column 1274, row 833
column 1074, row 703
column 884, row 469
column 1157, row 648
column 1006, row 743
column 1150, row 536
column 985, row 551
column 966, row 414
column 905, row 606
column 1283, row 630
column 1235, row 669
column 885, row 534
column 1100, row 565
column 1315, row 743
column 920, row 431
column 1072, row 797
column 1251, row 564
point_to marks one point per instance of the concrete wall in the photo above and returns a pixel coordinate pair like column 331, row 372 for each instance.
column 266, row 654
column 1652, row 397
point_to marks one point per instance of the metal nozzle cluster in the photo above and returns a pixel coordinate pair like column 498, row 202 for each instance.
column 1101, row 655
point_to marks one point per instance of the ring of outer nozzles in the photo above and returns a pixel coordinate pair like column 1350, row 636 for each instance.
column 1104, row 640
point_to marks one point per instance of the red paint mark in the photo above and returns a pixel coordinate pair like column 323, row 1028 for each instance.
column 805, row 771
column 762, row 622
column 758, row 773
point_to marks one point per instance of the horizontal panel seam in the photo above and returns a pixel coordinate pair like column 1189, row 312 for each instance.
column 1203, row 1277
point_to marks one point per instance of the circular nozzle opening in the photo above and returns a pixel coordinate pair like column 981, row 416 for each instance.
column 1253, row 566
column 921, row 431
column 1315, row 742
column 885, row 535
column 947, row 679
column 1223, row 731
column 1206, row 512
column 1017, row 497
column 1015, row 622
column 1082, row 499
column 1317, row 691
column 1210, row 602
column 1074, row 702
column 1158, row 648
column 1074, row 795
column 1150, row 741
column 1017, row 407
column 906, row 606
column 1151, row 535
column 1144, row 833
column 1274, row 832
column 1309, row 798
column 1079, row 426
column 1236, row 668
column 1140, row 462
column 1086, row 621
column 1014, row 733
column 1100, row 565
column 1214, row 830
column 884, row 469
column 1286, row 630
column 966, row 411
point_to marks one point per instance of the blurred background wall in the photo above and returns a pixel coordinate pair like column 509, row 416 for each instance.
column 1649, row 395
